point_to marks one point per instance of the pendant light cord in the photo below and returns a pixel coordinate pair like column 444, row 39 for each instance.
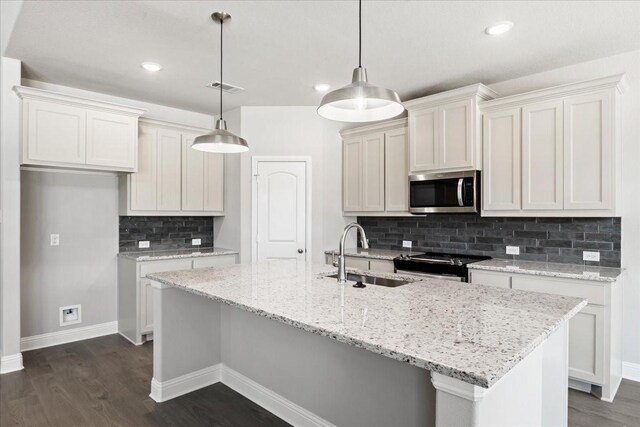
column 360, row 34
column 221, row 56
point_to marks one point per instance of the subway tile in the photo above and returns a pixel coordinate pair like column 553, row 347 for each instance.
column 600, row 246
column 552, row 243
column 530, row 234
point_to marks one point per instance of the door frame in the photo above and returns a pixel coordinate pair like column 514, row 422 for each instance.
column 255, row 160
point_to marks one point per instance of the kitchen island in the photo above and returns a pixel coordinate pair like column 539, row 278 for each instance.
column 430, row 352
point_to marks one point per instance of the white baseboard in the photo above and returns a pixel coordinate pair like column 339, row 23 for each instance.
column 579, row 385
column 166, row 390
column 631, row 371
column 11, row 363
column 271, row 401
column 68, row 335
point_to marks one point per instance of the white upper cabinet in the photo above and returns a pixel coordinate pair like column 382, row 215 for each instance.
column 374, row 169
column 66, row 131
column 444, row 130
column 172, row 177
column 569, row 164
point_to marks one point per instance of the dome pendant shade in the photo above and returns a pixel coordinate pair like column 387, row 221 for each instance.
column 360, row 101
column 220, row 140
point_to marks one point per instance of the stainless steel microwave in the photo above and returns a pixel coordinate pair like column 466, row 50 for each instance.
column 452, row 192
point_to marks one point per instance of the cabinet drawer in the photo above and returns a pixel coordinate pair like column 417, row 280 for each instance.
column 499, row 280
column 594, row 293
column 158, row 266
column 214, row 261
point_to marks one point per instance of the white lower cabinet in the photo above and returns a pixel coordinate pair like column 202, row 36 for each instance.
column 594, row 333
column 135, row 293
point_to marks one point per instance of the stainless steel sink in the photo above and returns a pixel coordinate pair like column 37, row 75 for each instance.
column 364, row 279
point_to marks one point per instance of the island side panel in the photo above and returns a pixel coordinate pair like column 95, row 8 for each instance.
column 186, row 349
column 344, row 385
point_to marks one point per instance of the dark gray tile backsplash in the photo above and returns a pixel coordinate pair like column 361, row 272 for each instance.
column 540, row 239
column 165, row 232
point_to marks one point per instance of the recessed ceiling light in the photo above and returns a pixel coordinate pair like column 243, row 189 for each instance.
column 499, row 28
column 151, row 66
column 321, row 87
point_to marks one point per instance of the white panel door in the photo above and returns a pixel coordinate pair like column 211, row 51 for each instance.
column 192, row 175
column 588, row 151
column 501, row 174
column 542, row 154
column 396, row 146
column 281, row 210
column 111, row 139
column 586, row 344
column 373, row 172
column 144, row 182
column 423, row 140
column 213, row 182
column 455, row 136
column 56, row 133
column 169, row 170
column 146, row 306
column 352, row 175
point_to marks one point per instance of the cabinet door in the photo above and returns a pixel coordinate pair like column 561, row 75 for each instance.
column 213, row 182
column 169, row 170
column 144, row 182
column 395, row 171
column 455, row 145
column 55, row 133
column 542, row 153
column 586, row 345
column 146, row 306
column 423, row 140
column 588, row 151
column 192, row 176
column 501, row 175
column 351, row 175
column 111, row 140
column 373, row 172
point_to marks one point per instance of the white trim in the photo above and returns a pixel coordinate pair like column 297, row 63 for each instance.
column 11, row 363
column 457, row 387
column 69, row 335
column 271, row 401
column 377, row 127
column 254, row 203
column 170, row 389
column 579, row 385
column 631, row 371
column 52, row 169
column 171, row 125
column 478, row 89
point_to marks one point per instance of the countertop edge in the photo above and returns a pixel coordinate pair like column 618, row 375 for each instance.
column 142, row 258
column 531, row 272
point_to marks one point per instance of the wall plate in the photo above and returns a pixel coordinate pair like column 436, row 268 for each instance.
column 70, row 315
column 196, row 242
column 407, row 244
column 513, row 250
column 143, row 244
column 591, row 256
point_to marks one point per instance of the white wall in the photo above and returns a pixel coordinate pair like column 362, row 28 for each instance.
column 290, row 131
column 628, row 63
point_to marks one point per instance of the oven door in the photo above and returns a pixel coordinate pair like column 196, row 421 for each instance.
column 454, row 192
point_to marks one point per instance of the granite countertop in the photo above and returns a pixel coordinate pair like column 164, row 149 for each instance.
column 551, row 269
column 371, row 253
column 175, row 254
column 471, row 332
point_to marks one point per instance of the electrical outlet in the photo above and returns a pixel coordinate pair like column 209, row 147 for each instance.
column 590, row 256
column 513, row 250
column 196, row 242
column 407, row 244
column 143, row 244
column 70, row 315
column 55, row 240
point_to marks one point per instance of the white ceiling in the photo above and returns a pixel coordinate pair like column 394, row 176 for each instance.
column 277, row 50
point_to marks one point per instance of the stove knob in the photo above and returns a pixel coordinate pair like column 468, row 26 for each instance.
column 458, row 262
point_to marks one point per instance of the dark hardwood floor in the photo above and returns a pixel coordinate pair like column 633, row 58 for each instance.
column 105, row 382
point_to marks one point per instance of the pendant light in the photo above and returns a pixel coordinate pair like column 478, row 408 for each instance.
column 360, row 101
column 220, row 140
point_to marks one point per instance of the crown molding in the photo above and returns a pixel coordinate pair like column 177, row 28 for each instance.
column 617, row 82
column 25, row 92
column 481, row 91
column 378, row 127
column 171, row 125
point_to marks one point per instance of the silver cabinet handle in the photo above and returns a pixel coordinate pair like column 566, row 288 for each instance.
column 460, row 202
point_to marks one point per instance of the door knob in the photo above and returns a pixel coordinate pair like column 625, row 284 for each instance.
column 300, row 251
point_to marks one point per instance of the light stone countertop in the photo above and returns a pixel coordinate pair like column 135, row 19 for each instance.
column 550, row 269
column 384, row 254
column 470, row 332
column 175, row 254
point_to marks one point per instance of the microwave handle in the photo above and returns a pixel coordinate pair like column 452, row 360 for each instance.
column 460, row 201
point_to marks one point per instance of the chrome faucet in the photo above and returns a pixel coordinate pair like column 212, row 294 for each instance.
column 342, row 273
